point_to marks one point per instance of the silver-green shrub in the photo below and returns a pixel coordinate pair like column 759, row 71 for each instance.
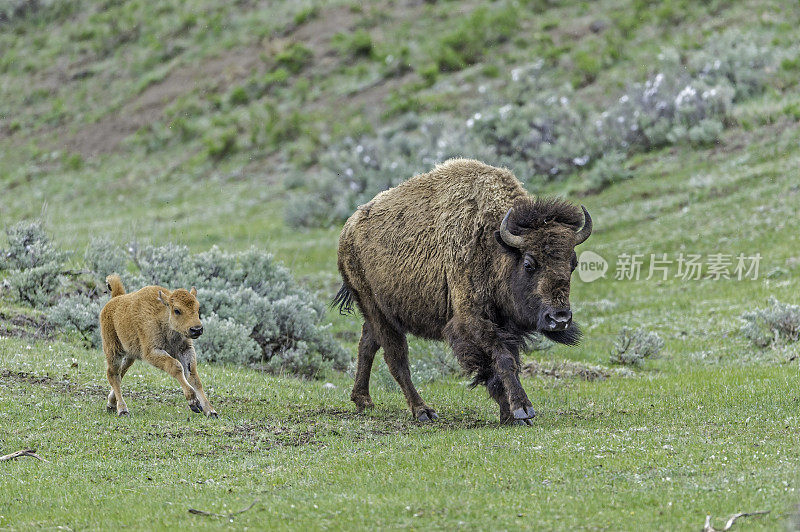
column 226, row 341
column 542, row 131
column 632, row 346
column 776, row 324
column 79, row 313
column 33, row 264
column 254, row 312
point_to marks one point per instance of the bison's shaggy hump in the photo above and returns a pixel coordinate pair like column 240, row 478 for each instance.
column 534, row 213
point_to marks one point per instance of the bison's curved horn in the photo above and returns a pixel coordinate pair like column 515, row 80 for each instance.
column 512, row 240
column 586, row 230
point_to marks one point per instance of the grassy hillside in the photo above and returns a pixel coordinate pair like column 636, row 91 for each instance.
column 196, row 122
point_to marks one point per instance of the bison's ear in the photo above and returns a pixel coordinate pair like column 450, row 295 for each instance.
column 505, row 247
column 163, row 298
column 193, row 291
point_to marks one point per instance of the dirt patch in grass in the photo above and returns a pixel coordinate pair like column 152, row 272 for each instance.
column 21, row 326
column 65, row 385
column 571, row 370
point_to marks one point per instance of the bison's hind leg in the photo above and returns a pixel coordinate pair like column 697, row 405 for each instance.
column 395, row 353
column 367, row 347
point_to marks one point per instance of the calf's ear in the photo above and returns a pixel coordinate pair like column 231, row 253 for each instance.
column 193, row 291
column 163, row 298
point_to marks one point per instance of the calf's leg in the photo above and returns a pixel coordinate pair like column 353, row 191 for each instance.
column 124, row 364
column 162, row 360
column 189, row 362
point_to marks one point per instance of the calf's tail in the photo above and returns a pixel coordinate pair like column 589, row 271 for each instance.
column 114, row 284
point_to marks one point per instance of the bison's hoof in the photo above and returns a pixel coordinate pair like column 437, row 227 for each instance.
column 524, row 412
column 195, row 406
column 123, row 413
column 362, row 403
column 521, row 422
column 427, row 415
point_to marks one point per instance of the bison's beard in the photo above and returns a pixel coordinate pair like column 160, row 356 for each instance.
column 569, row 336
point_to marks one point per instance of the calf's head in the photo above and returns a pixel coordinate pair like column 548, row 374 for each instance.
column 184, row 311
column 539, row 237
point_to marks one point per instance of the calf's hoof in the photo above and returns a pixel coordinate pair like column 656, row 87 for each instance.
column 123, row 413
column 195, row 406
column 524, row 412
column 426, row 415
column 111, row 408
column 213, row 414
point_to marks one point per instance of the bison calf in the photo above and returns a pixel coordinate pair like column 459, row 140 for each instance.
column 462, row 254
column 157, row 325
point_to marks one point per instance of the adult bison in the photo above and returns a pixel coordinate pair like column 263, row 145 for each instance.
column 461, row 254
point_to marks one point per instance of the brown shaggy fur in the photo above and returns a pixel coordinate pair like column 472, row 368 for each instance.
column 423, row 258
column 157, row 325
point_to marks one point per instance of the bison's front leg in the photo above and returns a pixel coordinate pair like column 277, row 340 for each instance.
column 505, row 362
column 476, row 344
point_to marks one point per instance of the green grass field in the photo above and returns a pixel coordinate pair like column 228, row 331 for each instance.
column 87, row 139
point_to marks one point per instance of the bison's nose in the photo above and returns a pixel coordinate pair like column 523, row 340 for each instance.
column 558, row 320
column 196, row 331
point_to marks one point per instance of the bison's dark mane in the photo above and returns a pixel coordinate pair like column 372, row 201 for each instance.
column 534, row 213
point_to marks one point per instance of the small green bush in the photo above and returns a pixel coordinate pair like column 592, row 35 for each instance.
column 776, row 324
column 221, row 143
column 306, row 14
column 295, row 57
column 239, row 96
column 356, row 44
column 632, row 346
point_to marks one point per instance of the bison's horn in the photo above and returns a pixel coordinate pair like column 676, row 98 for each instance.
column 586, row 230
column 512, row 240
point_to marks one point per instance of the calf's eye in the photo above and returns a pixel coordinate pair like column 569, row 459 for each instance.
column 177, row 312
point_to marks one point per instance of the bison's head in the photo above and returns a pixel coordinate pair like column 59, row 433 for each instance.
column 539, row 238
column 184, row 311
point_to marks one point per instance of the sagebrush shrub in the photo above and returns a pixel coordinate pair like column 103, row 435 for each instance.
column 33, row 264
column 777, row 323
column 543, row 132
column 632, row 346
column 253, row 310
column 226, row 341
column 79, row 313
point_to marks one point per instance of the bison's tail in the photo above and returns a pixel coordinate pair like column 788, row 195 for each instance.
column 114, row 284
column 343, row 300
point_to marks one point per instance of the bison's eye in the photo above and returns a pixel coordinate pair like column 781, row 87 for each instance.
column 177, row 312
column 530, row 265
